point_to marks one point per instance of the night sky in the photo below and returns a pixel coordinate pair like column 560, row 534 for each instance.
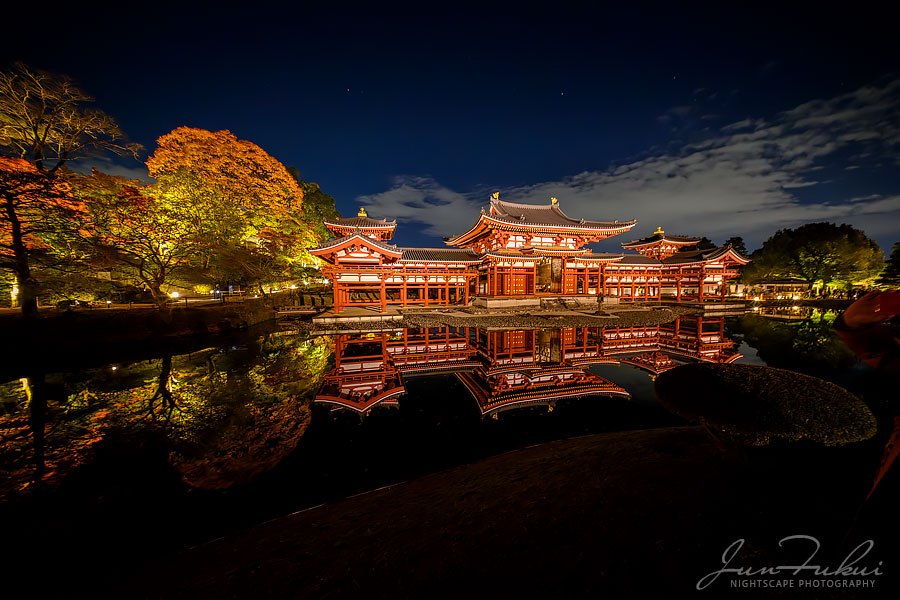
column 718, row 122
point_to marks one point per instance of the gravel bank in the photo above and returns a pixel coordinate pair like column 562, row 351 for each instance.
column 533, row 319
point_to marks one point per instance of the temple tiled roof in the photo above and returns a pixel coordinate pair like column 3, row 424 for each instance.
column 637, row 259
column 337, row 241
column 440, row 255
column 546, row 215
column 513, row 254
column 611, row 256
column 361, row 222
column 695, row 256
column 659, row 237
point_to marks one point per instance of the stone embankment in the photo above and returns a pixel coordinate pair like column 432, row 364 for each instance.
column 100, row 326
column 507, row 319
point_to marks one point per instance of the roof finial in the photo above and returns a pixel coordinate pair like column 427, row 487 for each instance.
column 495, row 196
column 362, row 212
column 553, row 201
column 658, row 230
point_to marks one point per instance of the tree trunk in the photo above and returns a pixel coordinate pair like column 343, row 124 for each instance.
column 27, row 293
column 158, row 296
column 24, row 280
column 37, row 419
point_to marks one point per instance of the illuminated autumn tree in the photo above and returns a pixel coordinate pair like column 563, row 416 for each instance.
column 245, row 206
column 44, row 120
column 138, row 229
column 36, row 212
column 230, row 178
column 44, row 123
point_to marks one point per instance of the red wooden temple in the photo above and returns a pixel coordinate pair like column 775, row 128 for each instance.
column 518, row 251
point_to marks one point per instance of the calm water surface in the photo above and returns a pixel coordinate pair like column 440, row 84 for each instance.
column 150, row 450
column 353, row 411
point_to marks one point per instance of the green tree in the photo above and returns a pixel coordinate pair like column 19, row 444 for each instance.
column 737, row 242
column 835, row 255
column 890, row 277
column 317, row 206
column 137, row 228
column 274, row 259
column 705, row 244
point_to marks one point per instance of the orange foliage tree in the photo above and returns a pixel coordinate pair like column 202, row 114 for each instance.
column 243, row 198
column 44, row 122
column 237, row 174
column 37, row 212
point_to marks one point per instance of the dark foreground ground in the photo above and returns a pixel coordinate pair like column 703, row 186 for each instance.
column 625, row 514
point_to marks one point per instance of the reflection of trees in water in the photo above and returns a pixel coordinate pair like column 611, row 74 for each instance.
column 810, row 345
column 35, row 392
column 259, row 414
column 226, row 413
column 163, row 393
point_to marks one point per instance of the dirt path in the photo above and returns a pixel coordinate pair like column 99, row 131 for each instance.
column 621, row 513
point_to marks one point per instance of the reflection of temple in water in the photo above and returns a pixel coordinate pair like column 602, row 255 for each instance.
column 654, row 348
column 510, row 369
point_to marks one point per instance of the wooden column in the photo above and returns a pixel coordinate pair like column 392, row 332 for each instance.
column 383, row 294
column 701, row 280
column 426, row 286
column 492, row 280
column 336, row 292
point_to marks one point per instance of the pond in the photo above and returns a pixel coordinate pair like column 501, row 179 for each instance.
column 203, row 439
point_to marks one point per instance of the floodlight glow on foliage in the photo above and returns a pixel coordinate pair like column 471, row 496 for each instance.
column 174, row 294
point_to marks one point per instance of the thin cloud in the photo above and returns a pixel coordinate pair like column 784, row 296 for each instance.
column 111, row 167
column 738, row 181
